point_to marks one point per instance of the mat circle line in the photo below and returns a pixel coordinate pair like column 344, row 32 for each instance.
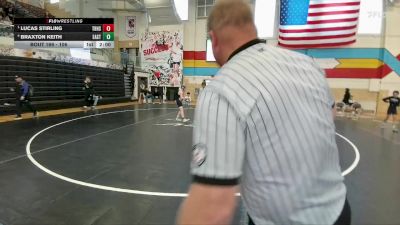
column 132, row 191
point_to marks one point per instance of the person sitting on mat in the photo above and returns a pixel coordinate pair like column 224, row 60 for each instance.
column 394, row 102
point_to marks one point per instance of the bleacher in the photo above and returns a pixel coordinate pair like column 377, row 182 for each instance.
column 26, row 10
column 7, row 10
column 6, row 31
column 57, row 84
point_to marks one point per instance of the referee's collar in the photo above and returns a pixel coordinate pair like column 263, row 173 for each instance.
column 245, row 46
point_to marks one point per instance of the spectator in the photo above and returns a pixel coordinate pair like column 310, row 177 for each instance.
column 348, row 98
column 188, row 99
column 89, row 93
column 132, row 79
column 394, row 102
column 203, row 84
column 2, row 13
column 149, row 95
column 142, row 92
column 157, row 95
column 23, row 92
column 26, row 10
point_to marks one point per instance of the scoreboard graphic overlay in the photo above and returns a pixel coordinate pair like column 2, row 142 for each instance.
column 64, row 33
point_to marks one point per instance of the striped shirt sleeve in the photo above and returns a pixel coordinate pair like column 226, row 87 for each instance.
column 218, row 142
column 331, row 100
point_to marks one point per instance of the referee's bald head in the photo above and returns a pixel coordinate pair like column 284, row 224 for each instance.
column 230, row 24
column 230, row 13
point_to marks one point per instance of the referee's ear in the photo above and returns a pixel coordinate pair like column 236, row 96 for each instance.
column 334, row 110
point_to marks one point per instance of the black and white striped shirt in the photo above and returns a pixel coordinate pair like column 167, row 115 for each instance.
column 265, row 122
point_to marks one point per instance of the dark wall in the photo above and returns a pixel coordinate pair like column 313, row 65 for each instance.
column 57, row 80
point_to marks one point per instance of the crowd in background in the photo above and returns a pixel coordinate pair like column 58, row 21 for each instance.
column 15, row 9
column 11, row 9
column 27, row 10
column 6, row 31
column 42, row 54
column 7, row 12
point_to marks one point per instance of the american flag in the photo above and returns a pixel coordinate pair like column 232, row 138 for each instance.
column 318, row 23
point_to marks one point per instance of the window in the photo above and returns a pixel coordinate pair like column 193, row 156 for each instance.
column 371, row 16
column 182, row 7
column 204, row 8
column 209, row 52
column 265, row 17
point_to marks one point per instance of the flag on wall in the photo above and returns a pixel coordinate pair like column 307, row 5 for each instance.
column 318, row 23
column 130, row 26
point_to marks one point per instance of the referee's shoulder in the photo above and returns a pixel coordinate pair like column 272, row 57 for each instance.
column 216, row 86
column 222, row 83
column 293, row 54
column 225, row 87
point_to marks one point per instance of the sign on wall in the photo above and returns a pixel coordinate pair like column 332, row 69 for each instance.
column 162, row 54
column 130, row 26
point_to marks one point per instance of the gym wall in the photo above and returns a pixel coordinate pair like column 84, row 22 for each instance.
column 370, row 68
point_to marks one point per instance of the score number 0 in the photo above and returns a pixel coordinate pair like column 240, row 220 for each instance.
column 108, row 32
column 108, row 27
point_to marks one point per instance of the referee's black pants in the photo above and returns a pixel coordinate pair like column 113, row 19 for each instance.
column 344, row 218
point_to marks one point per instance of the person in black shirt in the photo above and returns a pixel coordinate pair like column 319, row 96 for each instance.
column 394, row 102
column 23, row 94
column 157, row 94
column 89, row 93
column 179, row 97
column 347, row 98
column 142, row 92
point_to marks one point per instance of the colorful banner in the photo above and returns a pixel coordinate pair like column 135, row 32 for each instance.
column 130, row 26
column 162, row 54
column 355, row 63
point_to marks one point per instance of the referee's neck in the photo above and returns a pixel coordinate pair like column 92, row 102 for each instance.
column 233, row 38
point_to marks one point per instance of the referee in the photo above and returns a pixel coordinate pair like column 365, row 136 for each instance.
column 265, row 123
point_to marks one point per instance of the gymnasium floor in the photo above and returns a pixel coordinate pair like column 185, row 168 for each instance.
column 139, row 154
